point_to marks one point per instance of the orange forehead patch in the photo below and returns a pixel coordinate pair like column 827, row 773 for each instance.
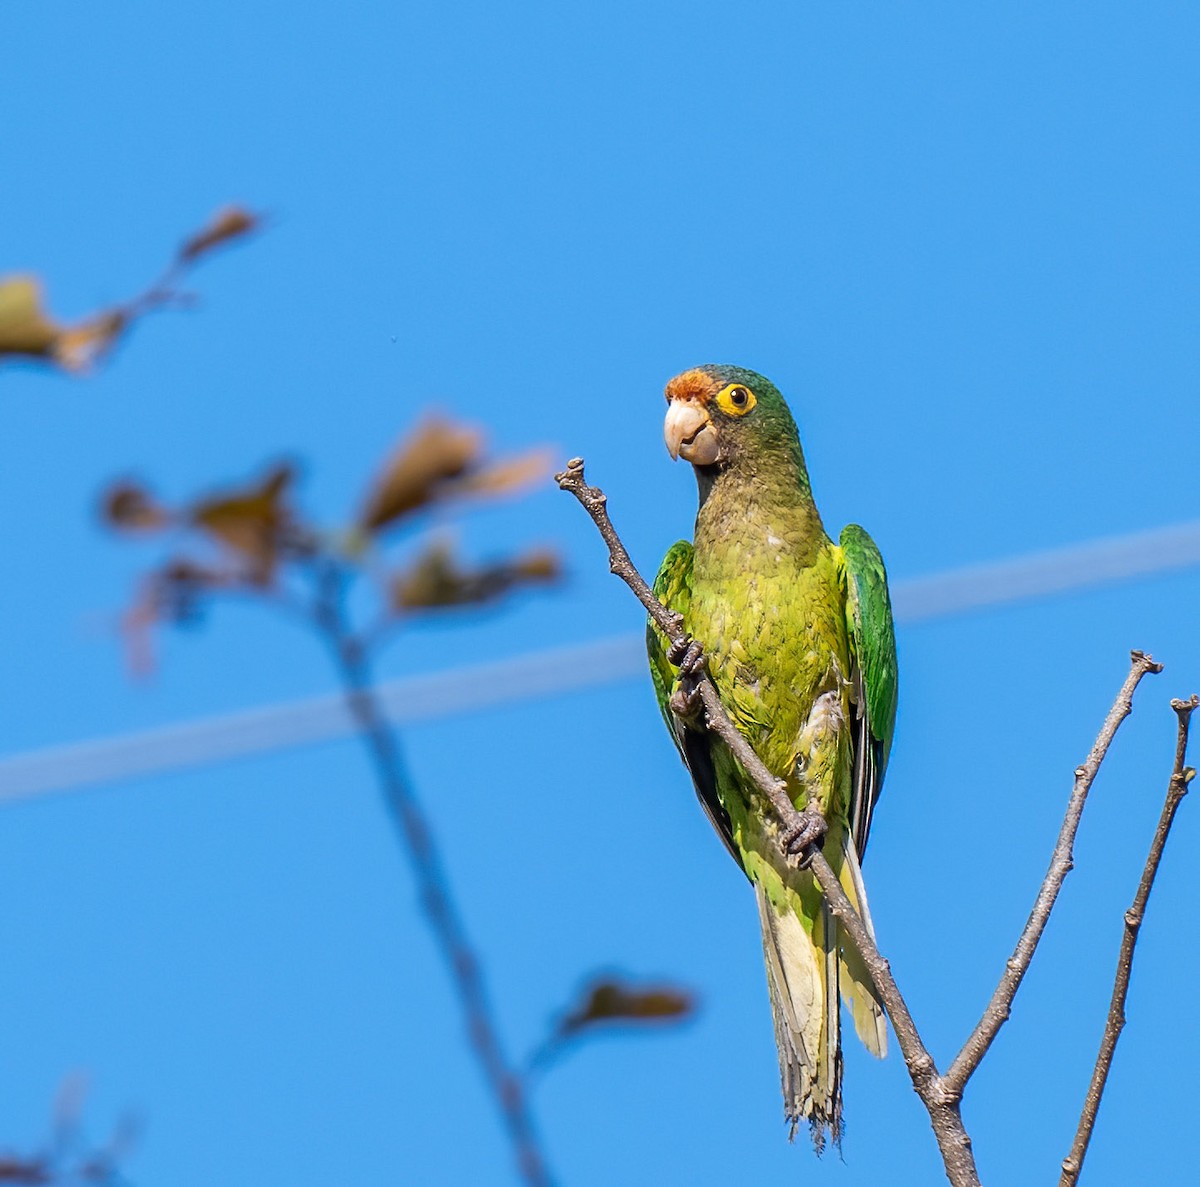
column 693, row 385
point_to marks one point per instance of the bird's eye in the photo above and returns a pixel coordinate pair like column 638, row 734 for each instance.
column 735, row 400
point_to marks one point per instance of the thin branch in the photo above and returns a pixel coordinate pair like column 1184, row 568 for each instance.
column 1177, row 786
column 941, row 1104
column 999, row 1008
column 505, row 1084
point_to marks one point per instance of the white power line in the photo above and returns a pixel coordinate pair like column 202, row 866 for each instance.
column 552, row 672
column 318, row 719
column 1042, row 574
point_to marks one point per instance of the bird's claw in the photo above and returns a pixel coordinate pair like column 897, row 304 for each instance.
column 688, row 656
column 685, row 700
column 809, row 829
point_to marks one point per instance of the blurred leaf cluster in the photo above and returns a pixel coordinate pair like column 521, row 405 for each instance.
column 68, row 1159
column 28, row 331
column 256, row 539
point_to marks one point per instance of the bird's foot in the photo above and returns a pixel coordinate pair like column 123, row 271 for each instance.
column 688, row 656
column 686, row 702
column 808, row 829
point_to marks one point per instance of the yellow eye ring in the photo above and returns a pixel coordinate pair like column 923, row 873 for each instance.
column 736, row 399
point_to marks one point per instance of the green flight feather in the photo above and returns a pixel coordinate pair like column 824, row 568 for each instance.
column 873, row 643
column 672, row 587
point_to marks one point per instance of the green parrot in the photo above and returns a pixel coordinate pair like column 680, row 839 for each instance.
column 798, row 638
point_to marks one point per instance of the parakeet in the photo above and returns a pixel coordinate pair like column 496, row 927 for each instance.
column 799, row 641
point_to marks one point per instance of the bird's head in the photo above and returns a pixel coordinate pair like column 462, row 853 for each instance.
column 718, row 414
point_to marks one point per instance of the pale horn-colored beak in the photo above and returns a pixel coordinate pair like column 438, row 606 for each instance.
column 690, row 434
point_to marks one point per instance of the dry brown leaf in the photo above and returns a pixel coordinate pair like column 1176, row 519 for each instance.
column 436, row 580
column 232, row 222
column 506, row 476
column 613, row 1001
column 251, row 522
column 431, row 581
column 25, row 329
column 538, row 564
column 131, row 508
column 79, row 347
column 434, row 453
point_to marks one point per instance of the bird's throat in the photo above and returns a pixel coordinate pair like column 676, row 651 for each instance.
column 748, row 510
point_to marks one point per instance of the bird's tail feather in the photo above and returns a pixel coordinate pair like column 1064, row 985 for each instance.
column 857, row 985
column 802, row 976
column 810, row 965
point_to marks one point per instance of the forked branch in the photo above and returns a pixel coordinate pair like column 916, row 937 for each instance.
column 998, row 1009
column 1177, row 786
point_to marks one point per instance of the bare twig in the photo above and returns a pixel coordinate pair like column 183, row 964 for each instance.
column 941, row 1104
column 1177, row 786
column 999, row 1007
column 505, row 1084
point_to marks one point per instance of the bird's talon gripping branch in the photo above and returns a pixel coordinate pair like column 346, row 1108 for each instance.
column 687, row 654
column 686, row 703
column 809, row 829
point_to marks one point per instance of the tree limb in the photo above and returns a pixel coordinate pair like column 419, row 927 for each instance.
column 1177, row 786
column 999, row 1008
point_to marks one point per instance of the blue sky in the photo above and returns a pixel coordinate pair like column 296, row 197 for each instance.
column 963, row 243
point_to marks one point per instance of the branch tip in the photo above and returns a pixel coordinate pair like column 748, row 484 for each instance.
column 1145, row 661
column 572, row 476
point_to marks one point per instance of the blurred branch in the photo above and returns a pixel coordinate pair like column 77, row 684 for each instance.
column 261, row 545
column 264, row 547
column 415, row 834
column 802, row 832
column 999, row 1008
column 27, row 331
column 1177, row 787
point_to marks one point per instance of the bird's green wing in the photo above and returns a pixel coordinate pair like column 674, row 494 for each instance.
column 673, row 587
column 873, row 644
